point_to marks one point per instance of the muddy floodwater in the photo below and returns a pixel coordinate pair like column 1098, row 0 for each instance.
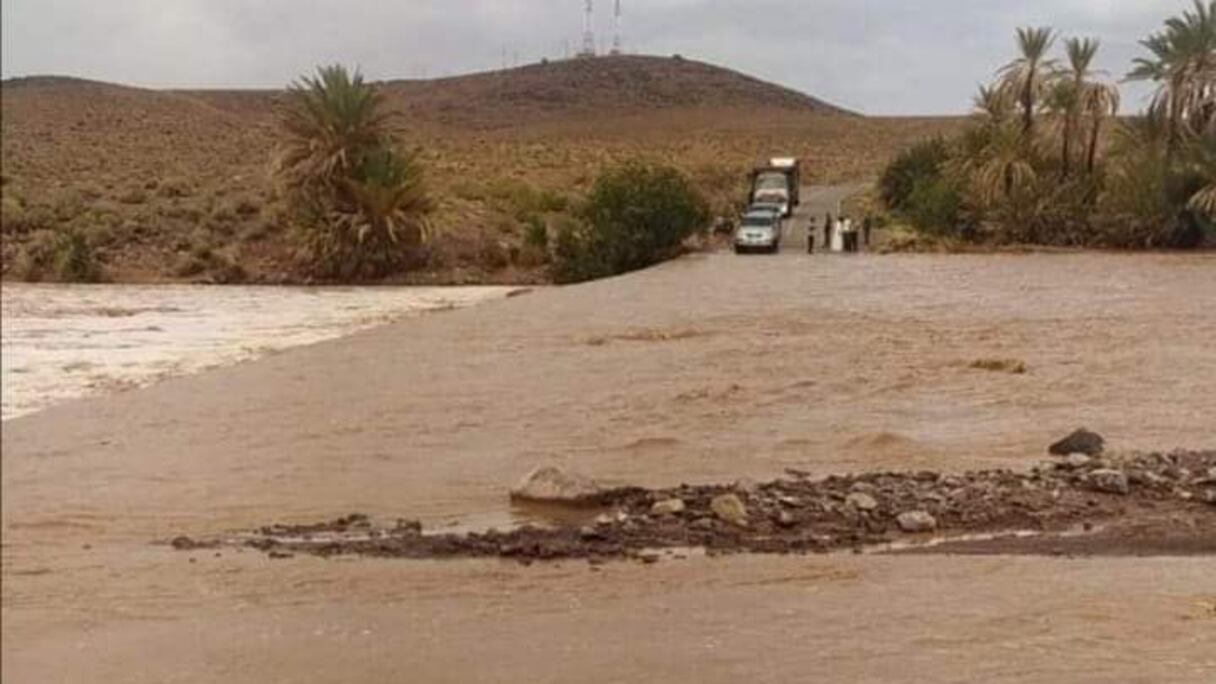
column 65, row 341
column 703, row 370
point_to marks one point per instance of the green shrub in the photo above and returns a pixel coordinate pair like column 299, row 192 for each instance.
column 133, row 196
column 934, row 206
column 636, row 215
column 58, row 255
column 1147, row 196
column 920, row 165
column 537, row 233
column 521, row 200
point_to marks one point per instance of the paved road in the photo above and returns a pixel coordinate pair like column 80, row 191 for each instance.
column 817, row 200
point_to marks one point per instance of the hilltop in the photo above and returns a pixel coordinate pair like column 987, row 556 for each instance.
column 605, row 86
column 176, row 185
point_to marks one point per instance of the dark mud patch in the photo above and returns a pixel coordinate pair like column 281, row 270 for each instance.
column 646, row 335
column 1127, row 502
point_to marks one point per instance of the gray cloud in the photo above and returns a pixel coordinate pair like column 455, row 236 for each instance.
column 878, row 56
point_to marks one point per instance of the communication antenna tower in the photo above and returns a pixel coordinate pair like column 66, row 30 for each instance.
column 616, row 29
column 588, row 32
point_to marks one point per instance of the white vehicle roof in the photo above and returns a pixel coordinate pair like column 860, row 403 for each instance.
column 784, row 162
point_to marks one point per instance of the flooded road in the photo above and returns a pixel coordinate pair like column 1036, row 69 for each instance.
column 707, row 369
column 61, row 342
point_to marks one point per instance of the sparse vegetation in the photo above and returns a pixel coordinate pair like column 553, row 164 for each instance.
column 636, row 215
column 493, row 166
column 1032, row 167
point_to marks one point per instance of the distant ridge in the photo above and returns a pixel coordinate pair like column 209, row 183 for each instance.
column 619, row 85
column 571, row 89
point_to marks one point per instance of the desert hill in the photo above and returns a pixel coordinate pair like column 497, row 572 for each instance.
column 171, row 185
column 607, row 86
column 561, row 91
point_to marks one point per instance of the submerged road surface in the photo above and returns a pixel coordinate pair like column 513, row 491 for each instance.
column 817, row 202
column 706, row 369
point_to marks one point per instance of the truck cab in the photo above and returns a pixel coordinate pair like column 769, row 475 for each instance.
column 779, row 183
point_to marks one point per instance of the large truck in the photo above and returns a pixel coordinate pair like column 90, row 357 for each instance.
column 779, row 183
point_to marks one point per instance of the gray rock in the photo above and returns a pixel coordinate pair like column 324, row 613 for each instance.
column 746, row 485
column 862, row 501
column 786, row 519
column 729, row 507
column 1075, row 461
column 1080, row 442
column 1177, row 473
column 407, row 528
column 916, row 521
column 554, row 485
column 1109, row 481
column 1209, row 495
column 668, row 507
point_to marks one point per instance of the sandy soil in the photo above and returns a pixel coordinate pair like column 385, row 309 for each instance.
column 703, row 370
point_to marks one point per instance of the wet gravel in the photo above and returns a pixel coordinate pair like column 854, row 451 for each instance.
column 1129, row 502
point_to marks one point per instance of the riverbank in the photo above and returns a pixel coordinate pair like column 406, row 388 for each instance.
column 703, row 370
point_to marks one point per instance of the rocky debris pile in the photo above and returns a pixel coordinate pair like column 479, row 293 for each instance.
column 802, row 515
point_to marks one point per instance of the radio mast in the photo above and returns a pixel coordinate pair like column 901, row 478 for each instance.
column 588, row 32
column 616, row 29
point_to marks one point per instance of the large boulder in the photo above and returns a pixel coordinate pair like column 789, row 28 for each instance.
column 730, row 508
column 554, row 485
column 1080, row 442
column 862, row 501
column 916, row 521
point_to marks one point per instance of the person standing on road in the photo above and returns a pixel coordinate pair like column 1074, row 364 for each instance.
column 827, row 232
column 865, row 229
column 811, row 229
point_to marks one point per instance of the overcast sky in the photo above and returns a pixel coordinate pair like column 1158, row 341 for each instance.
column 876, row 56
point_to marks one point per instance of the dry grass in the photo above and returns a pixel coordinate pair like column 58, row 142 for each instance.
column 177, row 185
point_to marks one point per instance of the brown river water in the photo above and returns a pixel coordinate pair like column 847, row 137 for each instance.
column 707, row 369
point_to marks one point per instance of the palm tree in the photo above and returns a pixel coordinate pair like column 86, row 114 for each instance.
column 330, row 121
column 1001, row 168
column 391, row 198
column 1073, row 84
column 1027, row 78
column 361, row 201
column 1183, row 64
column 1203, row 165
column 992, row 105
column 1099, row 101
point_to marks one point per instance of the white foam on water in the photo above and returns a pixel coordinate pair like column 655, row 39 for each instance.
column 62, row 342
